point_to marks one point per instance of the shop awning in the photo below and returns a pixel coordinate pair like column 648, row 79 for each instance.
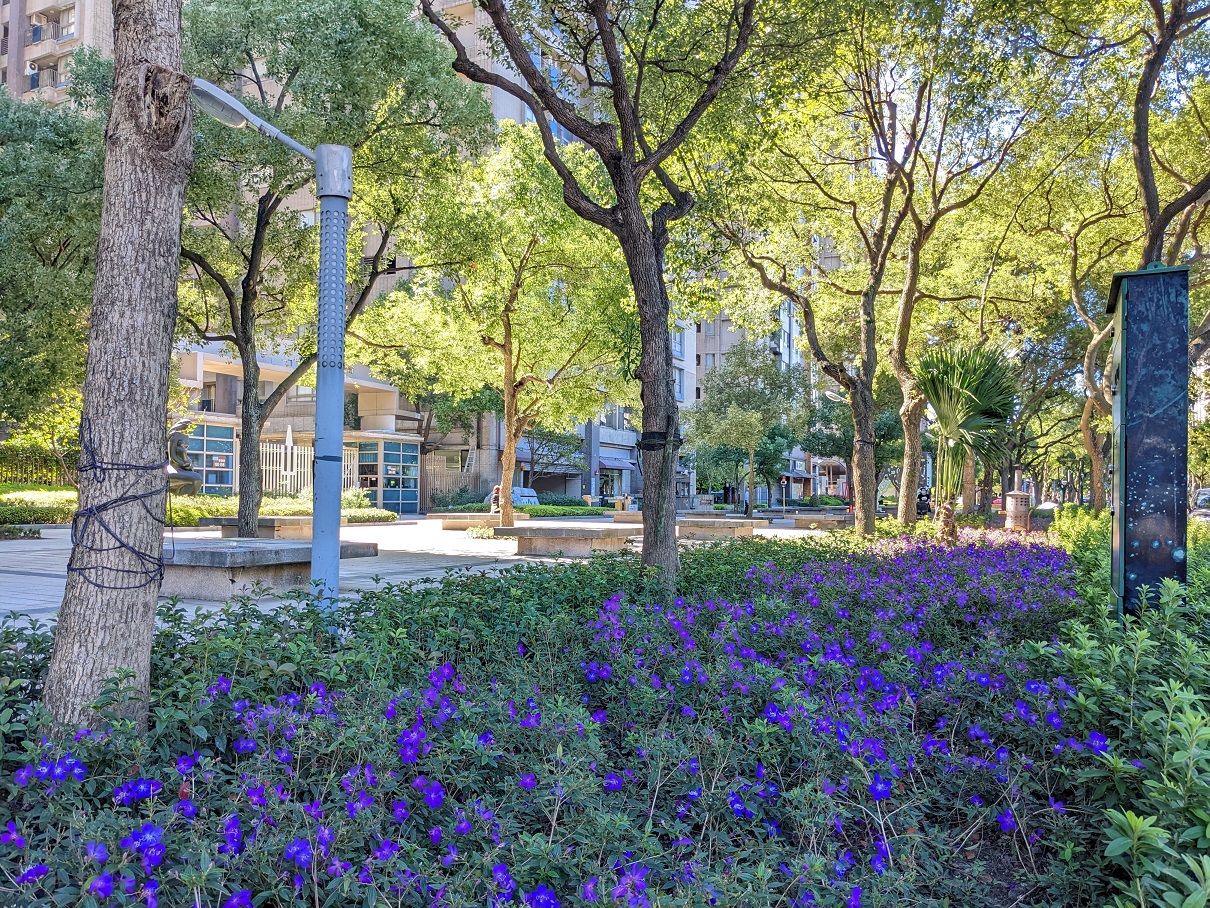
column 608, row 463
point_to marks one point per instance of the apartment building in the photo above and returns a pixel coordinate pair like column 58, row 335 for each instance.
column 805, row 474
column 382, row 447
column 38, row 37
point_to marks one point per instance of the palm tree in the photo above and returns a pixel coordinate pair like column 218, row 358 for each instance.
column 972, row 393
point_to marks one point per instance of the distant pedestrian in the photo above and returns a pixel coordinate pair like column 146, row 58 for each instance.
column 495, row 500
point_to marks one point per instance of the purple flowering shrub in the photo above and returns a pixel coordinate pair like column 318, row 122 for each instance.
column 841, row 724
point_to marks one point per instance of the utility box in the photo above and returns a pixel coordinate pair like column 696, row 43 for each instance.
column 1149, row 378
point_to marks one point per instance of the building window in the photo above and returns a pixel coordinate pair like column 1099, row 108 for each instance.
column 678, row 343
column 699, row 327
column 67, row 24
column 390, row 475
column 680, row 384
column 709, row 360
column 697, row 359
column 697, row 393
column 710, row 328
column 212, row 453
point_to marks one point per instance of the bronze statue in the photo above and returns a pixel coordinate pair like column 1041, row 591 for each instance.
column 182, row 478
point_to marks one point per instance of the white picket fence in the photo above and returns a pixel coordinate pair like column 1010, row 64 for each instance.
column 287, row 470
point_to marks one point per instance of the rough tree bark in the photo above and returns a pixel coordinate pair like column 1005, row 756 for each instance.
column 643, row 250
column 985, row 504
column 251, row 476
column 1092, row 445
column 107, row 619
column 968, row 484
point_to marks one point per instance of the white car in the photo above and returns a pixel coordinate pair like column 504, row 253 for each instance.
column 520, row 496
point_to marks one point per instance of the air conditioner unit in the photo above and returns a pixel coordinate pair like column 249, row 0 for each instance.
column 30, row 68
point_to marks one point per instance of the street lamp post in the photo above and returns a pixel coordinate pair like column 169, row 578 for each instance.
column 783, row 498
column 334, row 187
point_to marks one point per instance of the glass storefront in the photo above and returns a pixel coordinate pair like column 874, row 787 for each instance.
column 389, row 472
column 212, row 453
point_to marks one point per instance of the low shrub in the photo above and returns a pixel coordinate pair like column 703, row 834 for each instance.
column 566, row 501
column 581, row 510
column 822, row 722
column 19, row 532
column 444, row 501
column 187, row 510
column 25, row 504
column 472, row 507
column 537, row 510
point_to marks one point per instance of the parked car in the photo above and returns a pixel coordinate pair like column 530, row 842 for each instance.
column 520, row 496
column 1201, row 505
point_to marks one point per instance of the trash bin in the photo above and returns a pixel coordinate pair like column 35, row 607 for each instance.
column 1017, row 511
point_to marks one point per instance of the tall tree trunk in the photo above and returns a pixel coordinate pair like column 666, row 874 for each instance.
column 512, row 433
column 989, row 475
column 661, row 425
column 910, row 414
column 108, row 615
column 751, row 509
column 1092, row 445
column 968, row 484
column 911, row 411
column 251, row 479
column 864, row 476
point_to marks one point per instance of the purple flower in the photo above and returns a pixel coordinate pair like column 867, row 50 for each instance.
column 1097, row 742
column 23, row 776
column 1007, row 822
column 385, row 850
column 96, row 851
column 186, row 808
column 528, row 781
column 613, row 782
column 435, row 835
column 244, row 746
column 880, row 788
column 854, row 899
column 542, row 897
column 299, row 851
column 11, row 837
column 588, row 890
column 101, row 886
column 1057, row 806
column 241, row 899
column 34, row 873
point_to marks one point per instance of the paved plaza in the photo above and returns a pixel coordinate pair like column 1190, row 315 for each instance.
column 33, row 572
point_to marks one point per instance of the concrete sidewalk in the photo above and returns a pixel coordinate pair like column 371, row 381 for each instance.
column 33, row 572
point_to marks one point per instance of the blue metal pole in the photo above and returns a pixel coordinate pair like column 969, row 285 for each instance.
column 334, row 186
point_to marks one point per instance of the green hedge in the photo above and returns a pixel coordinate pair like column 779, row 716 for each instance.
column 536, row 510
column 31, row 504
column 25, row 505
column 186, row 510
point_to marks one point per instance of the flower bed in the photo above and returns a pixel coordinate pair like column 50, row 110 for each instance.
column 816, row 722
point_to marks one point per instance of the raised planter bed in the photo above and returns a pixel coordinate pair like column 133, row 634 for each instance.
column 216, row 569
column 571, row 541
column 461, row 520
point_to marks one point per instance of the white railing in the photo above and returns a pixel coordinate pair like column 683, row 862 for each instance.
column 286, row 469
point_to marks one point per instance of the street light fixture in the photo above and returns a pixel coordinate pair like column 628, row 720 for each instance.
column 334, row 187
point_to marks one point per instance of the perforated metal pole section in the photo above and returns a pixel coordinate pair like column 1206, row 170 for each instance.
column 334, row 186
